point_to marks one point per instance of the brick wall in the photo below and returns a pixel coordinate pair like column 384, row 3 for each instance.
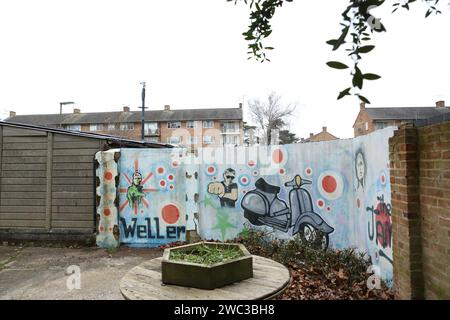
column 359, row 127
column 420, row 186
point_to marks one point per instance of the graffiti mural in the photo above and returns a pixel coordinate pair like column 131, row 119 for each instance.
column 263, row 207
column 192, row 198
column 226, row 190
column 151, row 206
column 106, row 213
column 380, row 227
column 360, row 169
column 335, row 194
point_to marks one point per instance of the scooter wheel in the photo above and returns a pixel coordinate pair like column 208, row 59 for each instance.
column 311, row 235
column 252, row 218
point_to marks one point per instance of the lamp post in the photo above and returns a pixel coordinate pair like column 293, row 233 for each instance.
column 143, row 111
column 61, row 104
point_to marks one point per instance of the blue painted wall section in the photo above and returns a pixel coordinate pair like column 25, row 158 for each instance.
column 152, row 204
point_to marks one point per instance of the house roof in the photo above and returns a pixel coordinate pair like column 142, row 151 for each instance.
column 325, row 135
column 407, row 113
column 128, row 117
column 112, row 140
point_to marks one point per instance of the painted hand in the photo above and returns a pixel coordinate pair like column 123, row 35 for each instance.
column 216, row 188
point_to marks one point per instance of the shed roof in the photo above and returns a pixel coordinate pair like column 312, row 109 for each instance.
column 111, row 139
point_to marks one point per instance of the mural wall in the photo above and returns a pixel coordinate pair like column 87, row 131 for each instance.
column 152, row 206
column 334, row 193
column 107, row 228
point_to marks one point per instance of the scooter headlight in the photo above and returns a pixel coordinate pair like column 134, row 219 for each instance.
column 298, row 180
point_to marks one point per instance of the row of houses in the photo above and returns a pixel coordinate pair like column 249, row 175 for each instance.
column 210, row 127
column 189, row 127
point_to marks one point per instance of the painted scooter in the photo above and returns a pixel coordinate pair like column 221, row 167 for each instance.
column 263, row 207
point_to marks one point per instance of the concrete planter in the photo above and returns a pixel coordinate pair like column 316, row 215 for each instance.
column 206, row 276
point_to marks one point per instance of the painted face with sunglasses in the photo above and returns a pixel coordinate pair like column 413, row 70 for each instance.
column 227, row 190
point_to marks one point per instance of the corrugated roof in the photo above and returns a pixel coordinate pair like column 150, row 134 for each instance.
column 407, row 113
column 127, row 117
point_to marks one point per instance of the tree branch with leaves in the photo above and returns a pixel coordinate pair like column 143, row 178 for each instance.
column 358, row 26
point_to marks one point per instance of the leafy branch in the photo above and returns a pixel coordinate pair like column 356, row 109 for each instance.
column 260, row 27
column 358, row 26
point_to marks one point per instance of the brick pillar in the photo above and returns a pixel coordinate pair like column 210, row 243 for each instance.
column 407, row 246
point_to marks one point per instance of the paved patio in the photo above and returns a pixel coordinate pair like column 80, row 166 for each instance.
column 40, row 272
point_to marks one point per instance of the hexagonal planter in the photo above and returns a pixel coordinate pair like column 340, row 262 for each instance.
column 204, row 276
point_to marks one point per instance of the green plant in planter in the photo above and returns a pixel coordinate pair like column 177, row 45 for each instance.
column 207, row 255
column 206, row 265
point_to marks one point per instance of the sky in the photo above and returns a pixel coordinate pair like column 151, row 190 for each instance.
column 192, row 55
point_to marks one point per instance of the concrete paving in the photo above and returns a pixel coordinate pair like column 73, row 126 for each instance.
column 41, row 272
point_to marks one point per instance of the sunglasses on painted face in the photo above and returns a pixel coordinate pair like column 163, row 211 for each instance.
column 230, row 177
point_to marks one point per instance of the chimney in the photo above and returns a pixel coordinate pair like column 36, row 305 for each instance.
column 240, row 105
column 311, row 135
column 126, row 109
column 76, row 110
column 324, row 129
column 12, row 114
column 440, row 104
column 167, row 107
column 362, row 106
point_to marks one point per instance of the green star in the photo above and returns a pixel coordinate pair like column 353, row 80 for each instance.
column 207, row 202
column 222, row 223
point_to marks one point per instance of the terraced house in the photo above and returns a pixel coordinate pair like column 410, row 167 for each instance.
column 371, row 119
column 187, row 127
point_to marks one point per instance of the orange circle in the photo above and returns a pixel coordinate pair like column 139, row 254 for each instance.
column 170, row 213
column 277, row 156
column 329, row 184
column 108, row 175
column 106, row 211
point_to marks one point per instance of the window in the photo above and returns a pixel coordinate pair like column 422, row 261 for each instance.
column 208, row 124
column 208, row 139
column 73, row 127
column 366, row 126
column 174, row 140
column 190, row 124
column 381, row 125
column 151, row 127
column 174, row 125
column 229, row 127
column 192, row 140
column 126, row 126
column 96, row 127
column 230, row 140
column 111, row 126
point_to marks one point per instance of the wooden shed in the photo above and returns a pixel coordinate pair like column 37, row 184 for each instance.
column 47, row 181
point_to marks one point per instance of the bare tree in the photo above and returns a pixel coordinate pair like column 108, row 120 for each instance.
column 270, row 116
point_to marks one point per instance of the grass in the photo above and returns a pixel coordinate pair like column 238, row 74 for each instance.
column 206, row 254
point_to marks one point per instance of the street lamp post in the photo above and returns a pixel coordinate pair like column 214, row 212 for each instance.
column 61, row 104
column 143, row 112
